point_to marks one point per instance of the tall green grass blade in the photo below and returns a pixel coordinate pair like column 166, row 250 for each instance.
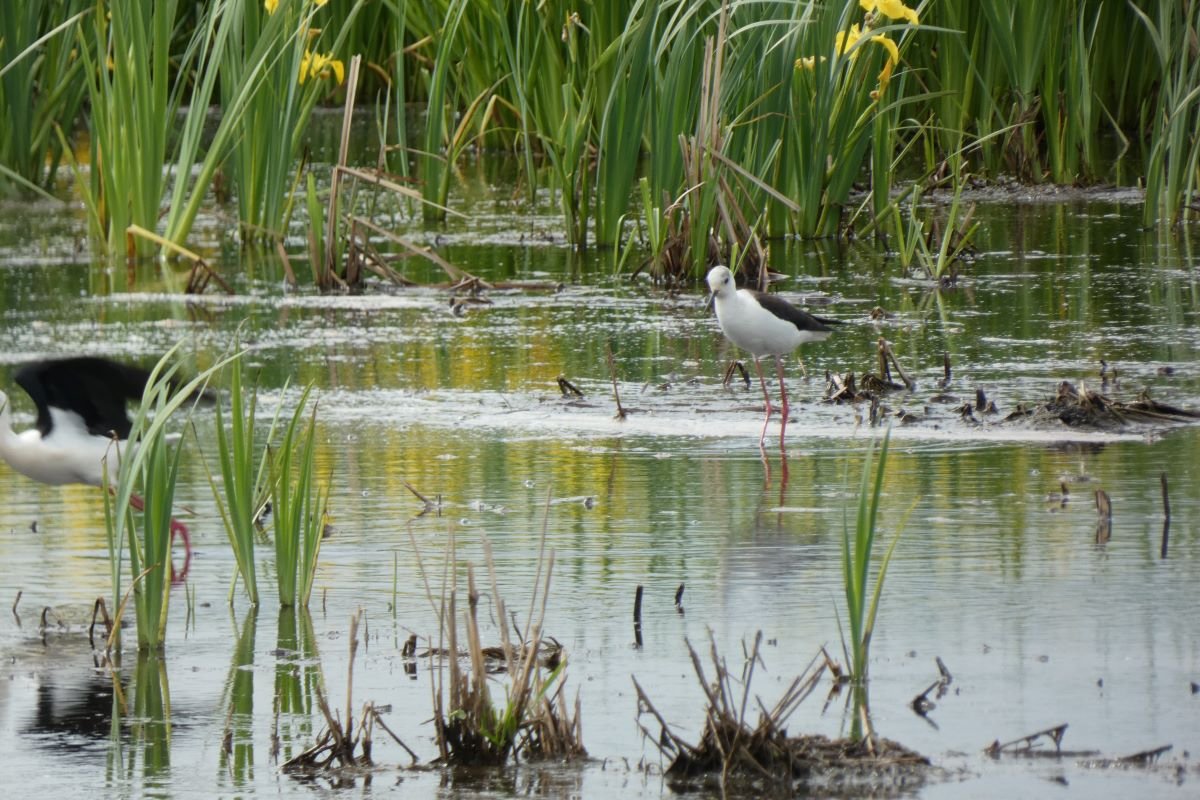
column 298, row 506
column 149, row 466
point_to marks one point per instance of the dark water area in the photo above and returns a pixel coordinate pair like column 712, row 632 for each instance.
column 1038, row 624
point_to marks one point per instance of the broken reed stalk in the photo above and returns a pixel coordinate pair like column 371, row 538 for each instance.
column 886, row 355
column 1166, row 534
column 612, row 371
column 1028, row 743
column 637, row 615
column 1104, row 524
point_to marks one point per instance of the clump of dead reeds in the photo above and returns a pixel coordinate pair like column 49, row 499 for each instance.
column 1081, row 407
column 535, row 720
column 341, row 744
column 735, row 754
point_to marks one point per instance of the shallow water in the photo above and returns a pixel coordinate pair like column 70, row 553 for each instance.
column 1037, row 623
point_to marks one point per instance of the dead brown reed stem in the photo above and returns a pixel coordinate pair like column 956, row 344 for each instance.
column 729, row 745
column 342, row 745
column 1166, row 532
column 612, row 371
column 533, row 721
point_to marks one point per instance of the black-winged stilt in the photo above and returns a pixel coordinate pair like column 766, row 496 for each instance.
column 80, row 410
column 764, row 325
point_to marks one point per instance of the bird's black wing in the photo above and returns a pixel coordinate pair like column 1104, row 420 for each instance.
column 786, row 311
column 96, row 389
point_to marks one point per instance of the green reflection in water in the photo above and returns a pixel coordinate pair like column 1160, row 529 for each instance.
column 298, row 678
column 144, row 709
column 236, row 762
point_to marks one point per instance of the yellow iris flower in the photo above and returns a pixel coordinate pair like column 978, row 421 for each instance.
column 315, row 65
column 845, row 40
column 892, row 9
column 272, row 5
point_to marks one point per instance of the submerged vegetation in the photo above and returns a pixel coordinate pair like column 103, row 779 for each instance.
column 741, row 120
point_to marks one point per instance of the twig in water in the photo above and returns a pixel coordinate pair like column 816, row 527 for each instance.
column 16, row 603
column 612, row 369
column 886, row 354
column 921, row 704
column 1028, row 743
column 1146, row 757
column 1104, row 525
column 567, row 388
column 946, row 368
column 98, row 609
column 737, row 366
column 637, row 616
column 430, row 505
column 374, row 712
column 1166, row 534
column 679, row 599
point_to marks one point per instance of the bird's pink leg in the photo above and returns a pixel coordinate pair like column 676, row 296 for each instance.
column 178, row 531
column 766, row 398
column 783, row 394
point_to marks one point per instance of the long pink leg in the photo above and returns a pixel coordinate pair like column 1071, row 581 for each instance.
column 762, row 437
column 783, row 393
column 178, row 531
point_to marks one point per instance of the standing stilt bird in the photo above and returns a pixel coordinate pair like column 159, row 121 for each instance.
column 81, row 423
column 764, row 325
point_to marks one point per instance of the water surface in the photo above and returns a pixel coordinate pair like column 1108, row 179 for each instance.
column 1038, row 624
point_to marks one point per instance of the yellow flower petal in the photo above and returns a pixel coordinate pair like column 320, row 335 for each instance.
column 305, row 64
column 844, row 40
column 890, row 46
column 321, row 2
column 339, row 70
column 271, row 5
column 885, row 75
column 894, row 9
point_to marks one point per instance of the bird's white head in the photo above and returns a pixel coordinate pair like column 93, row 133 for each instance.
column 720, row 282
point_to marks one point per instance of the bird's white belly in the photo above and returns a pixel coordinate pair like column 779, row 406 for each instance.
column 760, row 332
column 53, row 462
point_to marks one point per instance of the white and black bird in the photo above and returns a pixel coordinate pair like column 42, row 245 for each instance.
column 764, row 325
column 81, row 412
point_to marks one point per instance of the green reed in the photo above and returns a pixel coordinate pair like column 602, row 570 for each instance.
column 244, row 469
column 149, row 466
column 862, row 597
column 279, row 65
column 127, row 56
column 298, row 507
column 761, row 124
column 435, row 160
column 1173, row 166
column 41, row 88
